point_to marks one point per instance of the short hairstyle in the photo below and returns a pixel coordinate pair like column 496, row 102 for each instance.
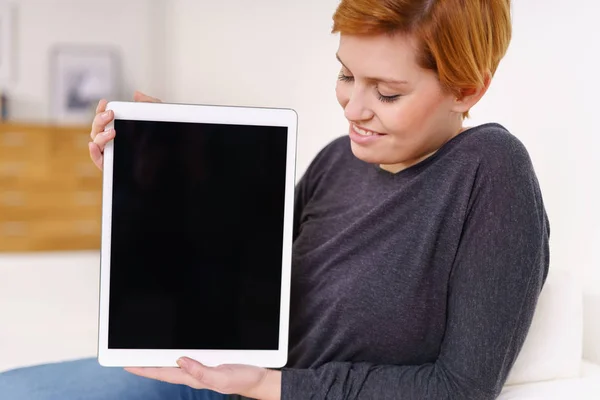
column 462, row 41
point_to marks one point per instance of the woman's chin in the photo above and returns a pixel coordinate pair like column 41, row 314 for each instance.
column 370, row 155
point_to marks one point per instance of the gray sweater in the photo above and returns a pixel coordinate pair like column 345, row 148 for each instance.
column 415, row 285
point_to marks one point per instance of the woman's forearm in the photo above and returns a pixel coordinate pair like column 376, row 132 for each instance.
column 268, row 389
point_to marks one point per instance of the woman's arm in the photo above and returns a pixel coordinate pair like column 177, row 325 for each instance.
column 497, row 275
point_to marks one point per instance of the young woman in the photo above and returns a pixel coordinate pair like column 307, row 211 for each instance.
column 420, row 245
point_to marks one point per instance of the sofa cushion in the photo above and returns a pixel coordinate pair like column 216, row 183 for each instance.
column 48, row 307
column 585, row 387
column 553, row 348
column 591, row 327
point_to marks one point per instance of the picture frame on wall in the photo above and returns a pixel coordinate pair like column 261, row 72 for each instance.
column 80, row 77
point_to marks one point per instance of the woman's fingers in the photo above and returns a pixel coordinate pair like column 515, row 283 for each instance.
column 100, row 134
column 98, row 145
column 100, row 121
column 104, row 137
column 101, row 107
column 96, row 155
column 141, row 97
column 99, row 140
column 104, row 117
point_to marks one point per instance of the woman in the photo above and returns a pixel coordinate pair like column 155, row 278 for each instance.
column 420, row 245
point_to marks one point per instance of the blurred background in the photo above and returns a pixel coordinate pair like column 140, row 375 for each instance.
column 58, row 57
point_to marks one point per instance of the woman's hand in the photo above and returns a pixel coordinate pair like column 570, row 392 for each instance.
column 100, row 135
column 245, row 380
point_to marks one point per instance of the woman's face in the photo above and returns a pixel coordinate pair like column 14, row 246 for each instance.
column 398, row 112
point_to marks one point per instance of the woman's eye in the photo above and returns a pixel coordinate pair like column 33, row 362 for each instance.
column 388, row 99
column 384, row 99
column 345, row 78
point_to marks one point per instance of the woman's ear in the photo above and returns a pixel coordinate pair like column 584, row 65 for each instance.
column 471, row 96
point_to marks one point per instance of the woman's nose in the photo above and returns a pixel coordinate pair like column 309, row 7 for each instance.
column 356, row 108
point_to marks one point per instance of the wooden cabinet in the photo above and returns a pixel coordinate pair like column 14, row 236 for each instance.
column 50, row 191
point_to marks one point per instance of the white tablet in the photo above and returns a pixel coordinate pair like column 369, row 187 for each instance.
column 196, row 235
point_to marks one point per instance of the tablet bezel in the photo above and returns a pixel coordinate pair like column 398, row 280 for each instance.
column 201, row 114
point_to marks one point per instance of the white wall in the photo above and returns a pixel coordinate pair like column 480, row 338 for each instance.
column 546, row 93
column 258, row 53
column 280, row 53
column 134, row 27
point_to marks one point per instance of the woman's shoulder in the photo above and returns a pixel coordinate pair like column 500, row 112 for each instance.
column 493, row 147
column 325, row 164
column 337, row 148
column 334, row 153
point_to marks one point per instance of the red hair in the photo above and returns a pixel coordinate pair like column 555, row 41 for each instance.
column 463, row 41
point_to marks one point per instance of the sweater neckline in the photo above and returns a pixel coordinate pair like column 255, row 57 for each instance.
column 447, row 146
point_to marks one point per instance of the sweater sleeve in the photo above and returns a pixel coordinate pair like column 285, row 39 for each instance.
column 309, row 181
column 301, row 196
column 500, row 267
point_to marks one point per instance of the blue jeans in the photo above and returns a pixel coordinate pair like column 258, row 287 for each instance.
column 87, row 380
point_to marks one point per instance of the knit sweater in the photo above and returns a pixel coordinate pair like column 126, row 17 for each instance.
column 415, row 285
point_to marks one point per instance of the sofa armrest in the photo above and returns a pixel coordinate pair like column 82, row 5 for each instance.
column 591, row 327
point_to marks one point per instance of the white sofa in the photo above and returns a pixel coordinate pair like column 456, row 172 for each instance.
column 48, row 313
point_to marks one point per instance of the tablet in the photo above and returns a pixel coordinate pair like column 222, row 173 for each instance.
column 197, row 219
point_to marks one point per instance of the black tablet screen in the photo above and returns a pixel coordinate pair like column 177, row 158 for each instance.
column 197, row 235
